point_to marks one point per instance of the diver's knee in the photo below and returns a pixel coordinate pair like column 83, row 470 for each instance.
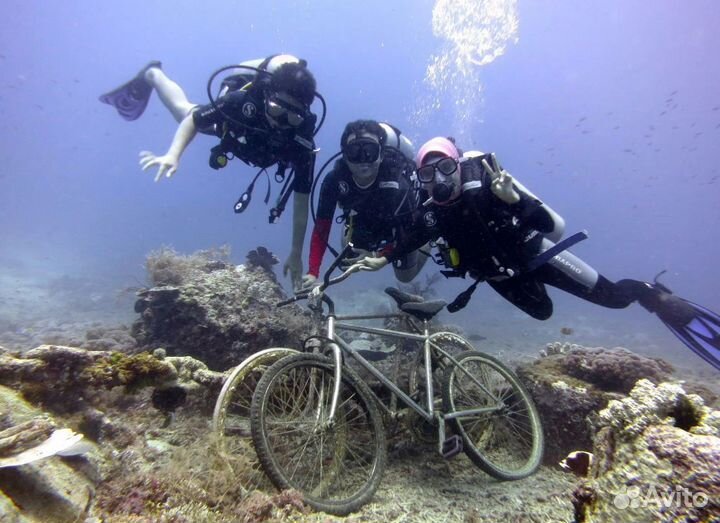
column 405, row 275
column 153, row 75
column 541, row 313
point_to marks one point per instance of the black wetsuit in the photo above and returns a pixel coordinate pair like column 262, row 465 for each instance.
column 375, row 216
column 256, row 143
column 494, row 239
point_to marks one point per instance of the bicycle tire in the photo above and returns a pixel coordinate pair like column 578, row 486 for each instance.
column 518, row 421
column 336, row 469
column 231, row 416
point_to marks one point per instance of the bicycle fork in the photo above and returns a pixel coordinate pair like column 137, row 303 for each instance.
column 337, row 357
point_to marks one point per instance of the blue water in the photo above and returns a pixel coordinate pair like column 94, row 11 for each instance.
column 609, row 112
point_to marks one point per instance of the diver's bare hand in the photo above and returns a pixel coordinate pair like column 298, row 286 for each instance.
column 166, row 164
column 502, row 182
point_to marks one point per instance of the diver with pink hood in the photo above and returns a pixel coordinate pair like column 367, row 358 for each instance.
column 489, row 226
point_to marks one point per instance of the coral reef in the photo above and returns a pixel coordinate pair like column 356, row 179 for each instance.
column 215, row 312
column 657, row 457
column 68, row 379
column 263, row 259
column 571, row 383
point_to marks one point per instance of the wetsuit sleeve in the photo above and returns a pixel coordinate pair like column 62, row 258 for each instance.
column 323, row 223
column 304, row 162
column 304, row 166
column 532, row 213
column 206, row 116
column 413, row 237
column 318, row 244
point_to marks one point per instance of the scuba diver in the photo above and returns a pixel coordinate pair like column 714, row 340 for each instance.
column 262, row 116
column 489, row 226
column 371, row 184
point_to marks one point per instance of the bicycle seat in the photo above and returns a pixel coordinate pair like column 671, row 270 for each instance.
column 424, row 310
column 401, row 298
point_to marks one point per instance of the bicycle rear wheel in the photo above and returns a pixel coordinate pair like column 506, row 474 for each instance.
column 231, row 417
column 336, row 467
column 450, row 342
column 506, row 440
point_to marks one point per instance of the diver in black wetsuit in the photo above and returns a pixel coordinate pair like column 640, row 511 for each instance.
column 489, row 226
column 262, row 117
column 371, row 184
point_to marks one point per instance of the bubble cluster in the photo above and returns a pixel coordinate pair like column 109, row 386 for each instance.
column 473, row 33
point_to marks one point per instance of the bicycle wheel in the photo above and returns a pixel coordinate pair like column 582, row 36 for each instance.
column 337, row 467
column 231, row 417
column 506, row 441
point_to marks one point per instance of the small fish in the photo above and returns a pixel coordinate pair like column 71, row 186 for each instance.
column 663, row 113
column 674, row 92
column 582, row 119
column 578, row 462
column 567, row 331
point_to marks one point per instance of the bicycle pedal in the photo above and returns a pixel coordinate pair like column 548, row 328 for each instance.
column 451, row 447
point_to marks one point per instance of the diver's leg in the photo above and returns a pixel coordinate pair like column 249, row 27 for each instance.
column 571, row 274
column 171, row 94
column 410, row 266
column 527, row 294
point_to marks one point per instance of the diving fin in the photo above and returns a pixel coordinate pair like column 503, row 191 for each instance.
column 697, row 327
column 701, row 334
column 131, row 98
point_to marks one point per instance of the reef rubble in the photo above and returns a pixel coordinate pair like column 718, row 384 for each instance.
column 657, row 458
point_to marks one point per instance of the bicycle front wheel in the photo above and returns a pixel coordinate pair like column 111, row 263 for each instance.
column 335, row 466
column 494, row 415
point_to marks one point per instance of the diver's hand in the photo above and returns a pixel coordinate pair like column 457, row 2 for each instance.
column 358, row 255
column 502, row 183
column 308, row 281
column 294, row 266
column 167, row 164
column 371, row 264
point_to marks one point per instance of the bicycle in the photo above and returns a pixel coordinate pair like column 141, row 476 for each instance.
column 317, row 428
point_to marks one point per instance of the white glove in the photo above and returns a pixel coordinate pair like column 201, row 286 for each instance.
column 502, row 184
column 308, row 281
column 167, row 164
column 371, row 264
column 359, row 254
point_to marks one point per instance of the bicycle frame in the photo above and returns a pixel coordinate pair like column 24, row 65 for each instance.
column 428, row 412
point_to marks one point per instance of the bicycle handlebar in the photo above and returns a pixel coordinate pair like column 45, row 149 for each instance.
column 327, row 281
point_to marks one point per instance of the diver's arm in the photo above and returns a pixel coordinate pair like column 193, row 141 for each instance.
column 525, row 204
column 543, row 218
column 168, row 163
column 300, row 218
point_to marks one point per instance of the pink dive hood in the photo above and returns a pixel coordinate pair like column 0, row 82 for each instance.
column 438, row 144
